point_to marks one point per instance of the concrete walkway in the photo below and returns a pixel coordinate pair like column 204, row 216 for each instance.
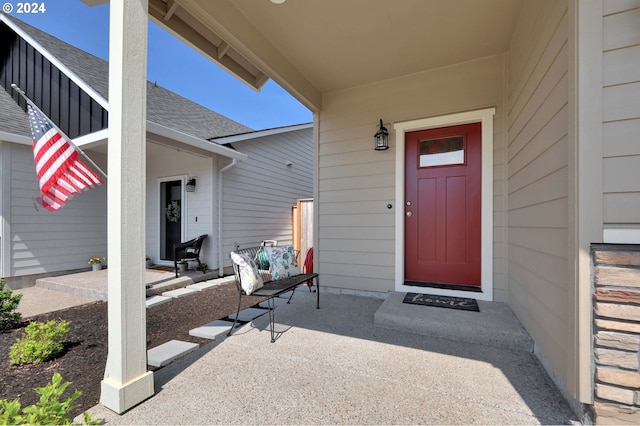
column 64, row 291
column 335, row 365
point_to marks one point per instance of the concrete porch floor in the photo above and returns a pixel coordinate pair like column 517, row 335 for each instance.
column 357, row 360
column 344, row 364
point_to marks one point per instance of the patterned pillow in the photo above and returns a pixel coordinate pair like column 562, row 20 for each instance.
column 262, row 260
column 282, row 262
column 250, row 279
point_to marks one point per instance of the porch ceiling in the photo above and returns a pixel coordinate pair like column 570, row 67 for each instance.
column 311, row 47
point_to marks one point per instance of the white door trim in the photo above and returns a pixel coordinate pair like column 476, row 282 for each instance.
column 485, row 117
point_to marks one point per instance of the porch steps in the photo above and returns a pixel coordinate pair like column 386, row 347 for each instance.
column 166, row 353
column 494, row 325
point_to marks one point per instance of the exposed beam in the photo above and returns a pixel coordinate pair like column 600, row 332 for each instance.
column 223, row 48
column 226, row 22
column 207, row 44
column 172, row 5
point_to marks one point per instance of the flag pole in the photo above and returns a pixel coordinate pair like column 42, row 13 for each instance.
column 85, row 156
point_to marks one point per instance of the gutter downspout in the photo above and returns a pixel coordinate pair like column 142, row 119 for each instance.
column 220, row 172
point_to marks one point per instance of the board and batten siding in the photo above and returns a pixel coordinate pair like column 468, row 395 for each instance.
column 621, row 113
column 198, row 209
column 260, row 193
column 538, row 187
column 356, row 241
column 42, row 241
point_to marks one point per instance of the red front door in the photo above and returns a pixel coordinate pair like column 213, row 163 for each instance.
column 442, row 205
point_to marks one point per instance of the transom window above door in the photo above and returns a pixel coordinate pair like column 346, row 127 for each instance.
column 442, row 151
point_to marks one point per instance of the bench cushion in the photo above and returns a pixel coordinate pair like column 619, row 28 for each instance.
column 282, row 262
column 250, row 279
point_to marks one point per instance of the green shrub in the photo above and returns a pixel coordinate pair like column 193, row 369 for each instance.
column 8, row 304
column 41, row 342
column 49, row 410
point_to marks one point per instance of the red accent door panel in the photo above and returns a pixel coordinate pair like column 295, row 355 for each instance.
column 443, row 170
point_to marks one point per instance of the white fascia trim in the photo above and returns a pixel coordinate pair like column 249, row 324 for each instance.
column 12, row 137
column 82, row 141
column 92, row 138
column 44, row 52
column 485, row 117
column 195, row 142
column 261, row 133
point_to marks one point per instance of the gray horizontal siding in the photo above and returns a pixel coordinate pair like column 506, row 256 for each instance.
column 259, row 193
column 43, row 241
column 538, row 180
column 621, row 113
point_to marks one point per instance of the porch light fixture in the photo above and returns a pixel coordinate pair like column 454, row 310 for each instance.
column 191, row 185
column 382, row 138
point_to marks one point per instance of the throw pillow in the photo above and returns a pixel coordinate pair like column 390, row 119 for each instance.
column 250, row 279
column 282, row 262
column 262, row 260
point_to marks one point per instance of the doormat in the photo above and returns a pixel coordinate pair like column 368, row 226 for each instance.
column 162, row 268
column 461, row 303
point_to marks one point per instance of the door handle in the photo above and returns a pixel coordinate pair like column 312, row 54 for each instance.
column 409, row 214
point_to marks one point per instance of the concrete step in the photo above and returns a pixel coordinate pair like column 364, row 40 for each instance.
column 494, row 325
column 156, row 300
column 212, row 330
column 168, row 352
column 179, row 292
column 202, row 285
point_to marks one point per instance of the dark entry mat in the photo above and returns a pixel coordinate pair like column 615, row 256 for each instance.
column 162, row 268
column 442, row 301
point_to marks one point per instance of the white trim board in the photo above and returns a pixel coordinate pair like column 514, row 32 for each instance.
column 485, row 117
column 621, row 235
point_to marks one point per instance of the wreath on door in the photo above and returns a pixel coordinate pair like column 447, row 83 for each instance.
column 173, row 211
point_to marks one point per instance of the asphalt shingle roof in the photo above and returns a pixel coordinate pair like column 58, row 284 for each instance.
column 163, row 106
column 12, row 118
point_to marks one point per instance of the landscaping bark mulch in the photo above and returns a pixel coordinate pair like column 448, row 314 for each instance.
column 85, row 355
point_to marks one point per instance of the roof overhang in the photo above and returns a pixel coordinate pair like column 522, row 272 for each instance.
column 315, row 47
column 261, row 133
column 163, row 135
column 12, row 137
column 175, row 138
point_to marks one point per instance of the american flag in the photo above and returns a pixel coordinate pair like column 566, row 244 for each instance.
column 60, row 173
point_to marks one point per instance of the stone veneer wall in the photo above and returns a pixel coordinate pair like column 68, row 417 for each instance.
column 616, row 333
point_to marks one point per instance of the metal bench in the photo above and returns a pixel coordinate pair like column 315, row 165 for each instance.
column 271, row 288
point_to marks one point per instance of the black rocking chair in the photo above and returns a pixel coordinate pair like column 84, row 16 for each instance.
column 189, row 250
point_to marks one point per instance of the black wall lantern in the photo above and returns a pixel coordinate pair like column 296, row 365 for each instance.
column 382, row 138
column 191, row 185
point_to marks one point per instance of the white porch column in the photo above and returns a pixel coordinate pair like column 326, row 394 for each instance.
column 127, row 381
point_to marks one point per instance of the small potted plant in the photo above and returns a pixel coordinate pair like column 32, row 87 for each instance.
column 202, row 267
column 96, row 263
column 182, row 266
column 148, row 261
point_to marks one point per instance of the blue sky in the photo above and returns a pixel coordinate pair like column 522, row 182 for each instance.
column 173, row 65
